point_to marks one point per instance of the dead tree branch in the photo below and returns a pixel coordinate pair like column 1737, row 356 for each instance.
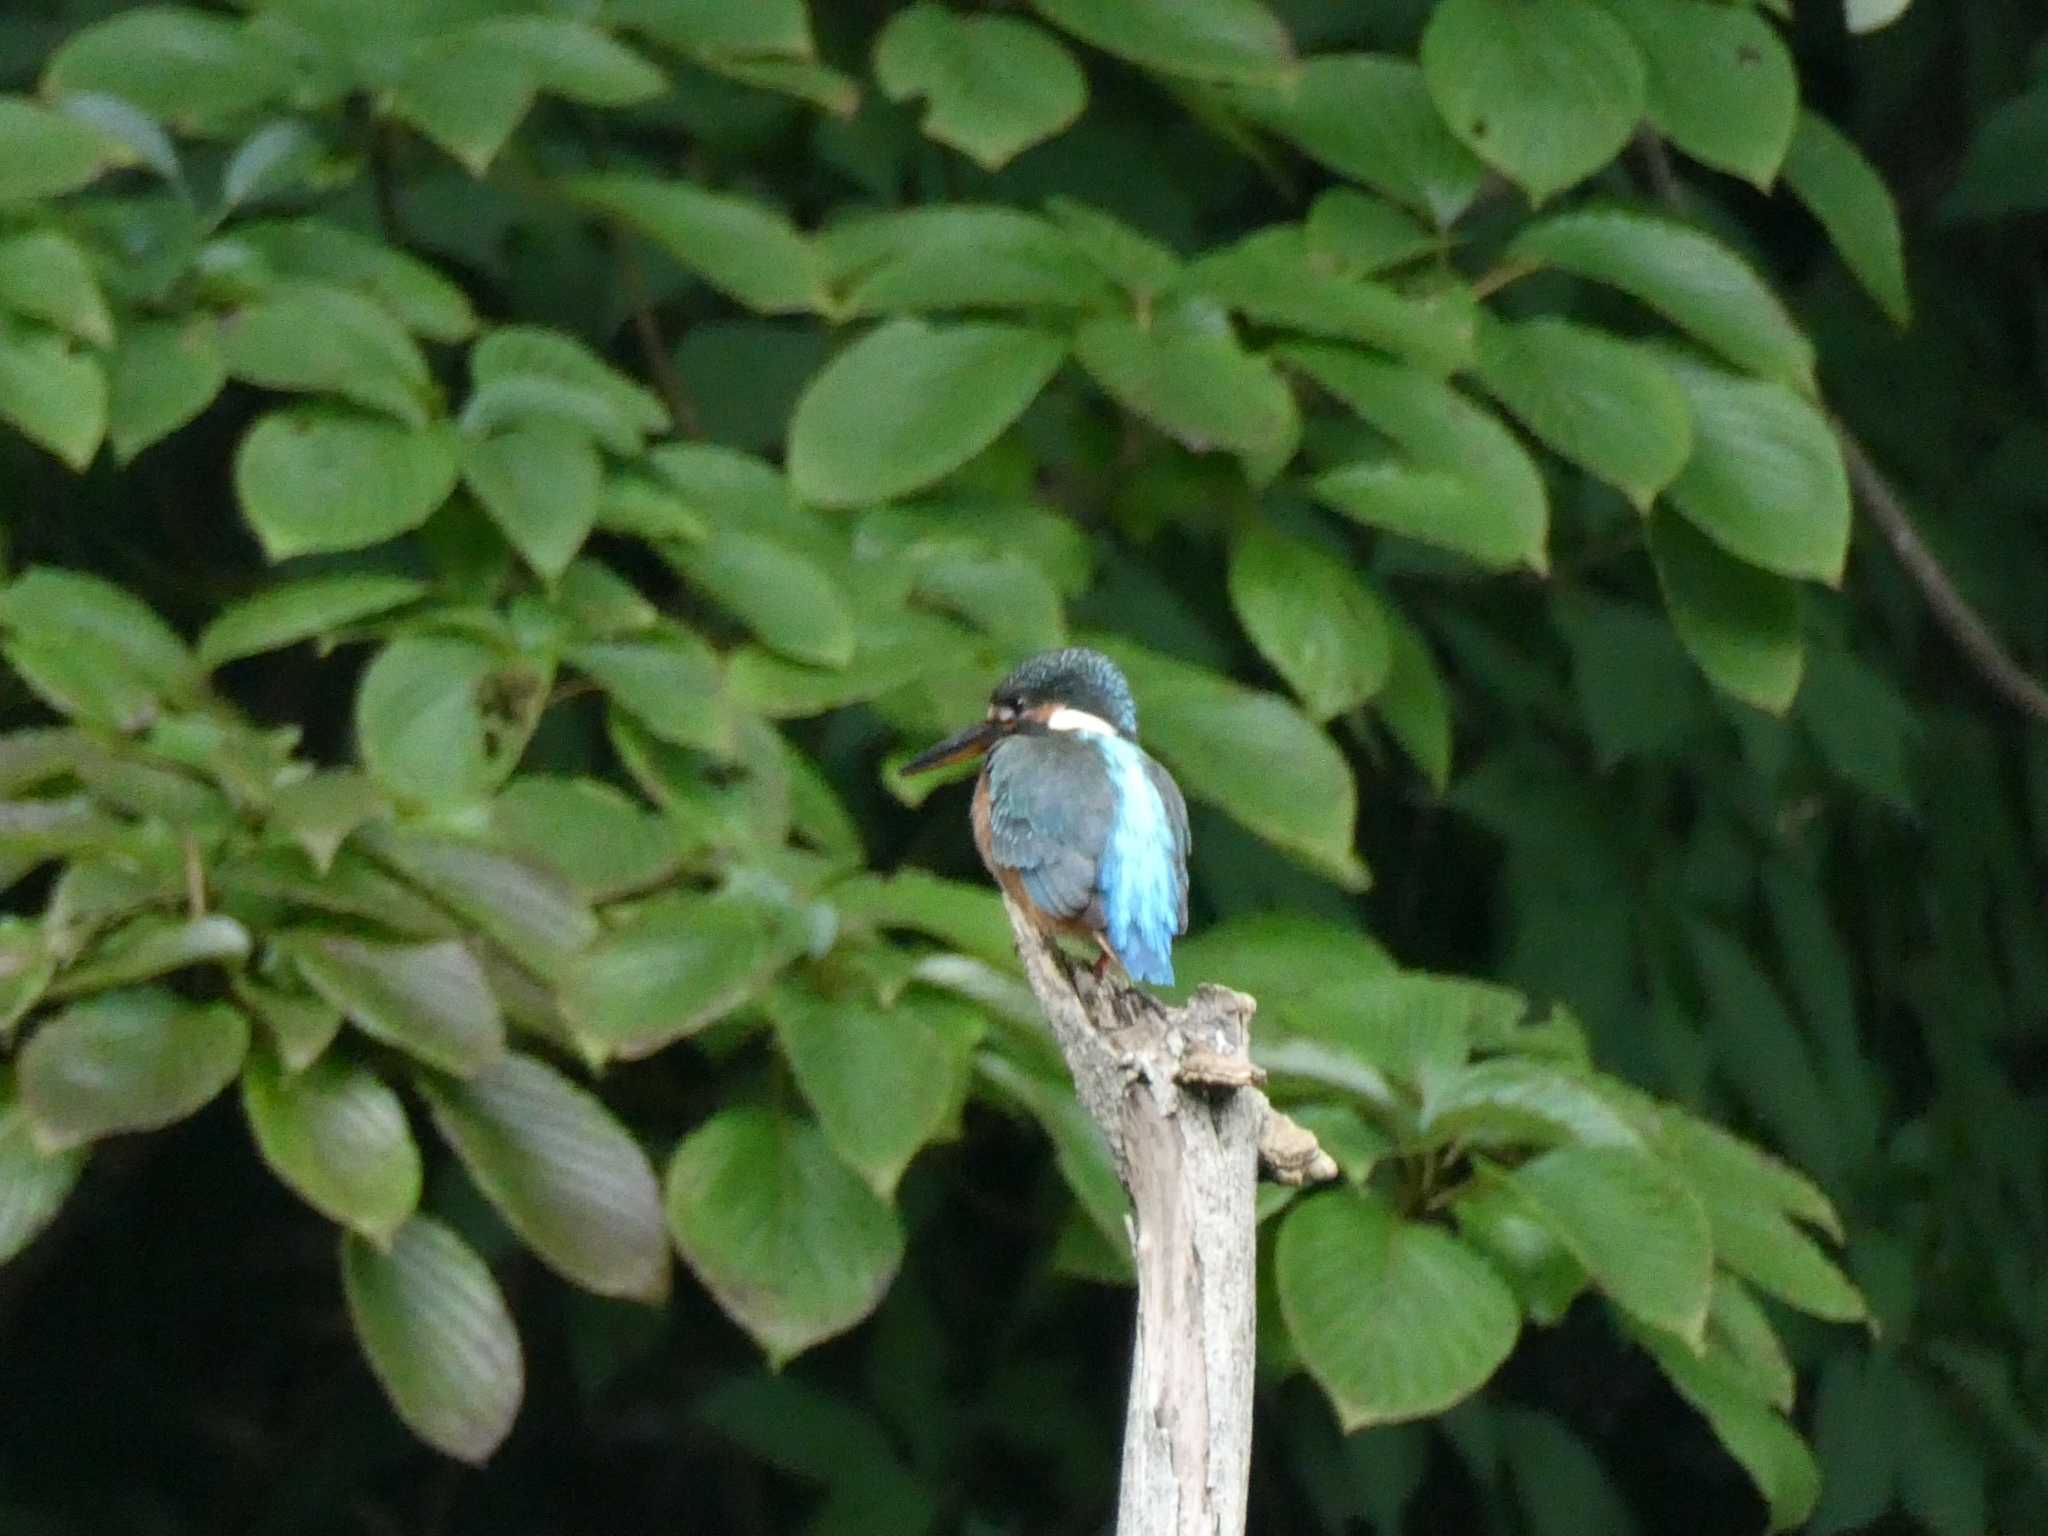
column 1176, row 1095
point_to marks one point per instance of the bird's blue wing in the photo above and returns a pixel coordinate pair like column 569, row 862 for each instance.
column 1050, row 806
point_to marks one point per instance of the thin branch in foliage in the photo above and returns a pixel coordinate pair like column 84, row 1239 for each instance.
column 1883, row 505
column 1972, row 636
column 661, row 368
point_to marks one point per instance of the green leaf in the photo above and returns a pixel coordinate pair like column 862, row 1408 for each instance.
column 1740, row 624
column 789, row 1242
column 1272, row 278
column 102, row 628
column 1544, row 91
column 308, row 609
column 779, row 592
column 45, row 276
column 1204, row 39
column 1722, row 86
column 1312, row 619
column 1395, row 1320
column 1253, row 756
column 1843, row 190
column 523, row 374
column 135, row 1060
column 1135, row 261
column 968, row 918
column 438, row 1338
column 467, row 99
column 1635, row 1226
column 55, row 397
column 312, row 479
column 1470, row 487
column 909, row 403
column 321, row 809
column 993, row 85
column 539, row 484
column 275, row 158
column 1688, row 277
column 1370, row 117
column 162, row 374
column 338, row 1136
column 740, row 247
column 1079, row 1151
column 605, row 842
column 301, row 1024
column 671, row 685
column 1609, row 405
column 677, row 965
column 527, row 908
column 1765, row 480
column 1204, row 391
column 1413, row 703
column 562, row 1172
column 46, row 154
column 572, row 59
column 429, row 1000
column 420, row 723
column 1513, row 1101
column 197, row 71
column 775, row 28
column 34, row 1184
column 150, row 946
column 1352, row 232
column 958, row 257
column 2000, row 172
column 852, row 1057
column 1545, row 1276
column 316, row 250
column 1740, row 1332
column 1769, row 1450
column 364, row 355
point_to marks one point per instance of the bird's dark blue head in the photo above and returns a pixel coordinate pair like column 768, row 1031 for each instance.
column 1074, row 679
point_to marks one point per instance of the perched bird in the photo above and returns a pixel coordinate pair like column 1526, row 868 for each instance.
column 1084, row 830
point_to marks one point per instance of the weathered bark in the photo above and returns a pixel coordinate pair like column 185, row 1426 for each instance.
column 1176, row 1095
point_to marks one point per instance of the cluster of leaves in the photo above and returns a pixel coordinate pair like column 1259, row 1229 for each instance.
column 642, row 652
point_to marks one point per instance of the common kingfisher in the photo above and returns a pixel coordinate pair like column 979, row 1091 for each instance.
column 1076, row 822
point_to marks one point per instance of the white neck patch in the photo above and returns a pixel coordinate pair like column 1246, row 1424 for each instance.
column 1065, row 719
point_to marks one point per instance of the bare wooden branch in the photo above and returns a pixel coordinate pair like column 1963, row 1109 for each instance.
column 1176, row 1095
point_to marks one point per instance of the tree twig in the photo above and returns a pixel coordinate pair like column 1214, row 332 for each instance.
column 661, row 367
column 1972, row 636
column 1176, row 1095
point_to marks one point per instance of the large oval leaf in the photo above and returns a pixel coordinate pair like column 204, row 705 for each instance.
column 1845, row 192
column 33, row 1183
column 1396, row 1320
column 1204, row 391
column 1208, row 39
column 1765, row 480
column 195, row 70
column 1311, row 617
column 539, row 483
column 314, row 478
column 739, row 246
column 1369, row 116
column 676, row 966
column 851, row 1056
column 1739, row 624
column 1687, row 276
column 363, row 354
column 301, row 610
column 438, row 1338
column 538, row 917
column 1470, row 486
column 563, row 1173
column 1721, row 82
column 1634, row 1224
column 338, row 1136
column 993, row 85
column 127, row 1061
column 1608, row 405
column 778, row 591
column 910, row 402
column 428, row 999
column 1545, row 91
column 161, row 375
column 786, row 1238
column 420, row 719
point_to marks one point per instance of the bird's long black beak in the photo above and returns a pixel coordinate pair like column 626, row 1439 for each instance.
column 972, row 742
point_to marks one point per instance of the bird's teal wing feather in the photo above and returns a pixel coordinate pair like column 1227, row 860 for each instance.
column 1051, row 804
